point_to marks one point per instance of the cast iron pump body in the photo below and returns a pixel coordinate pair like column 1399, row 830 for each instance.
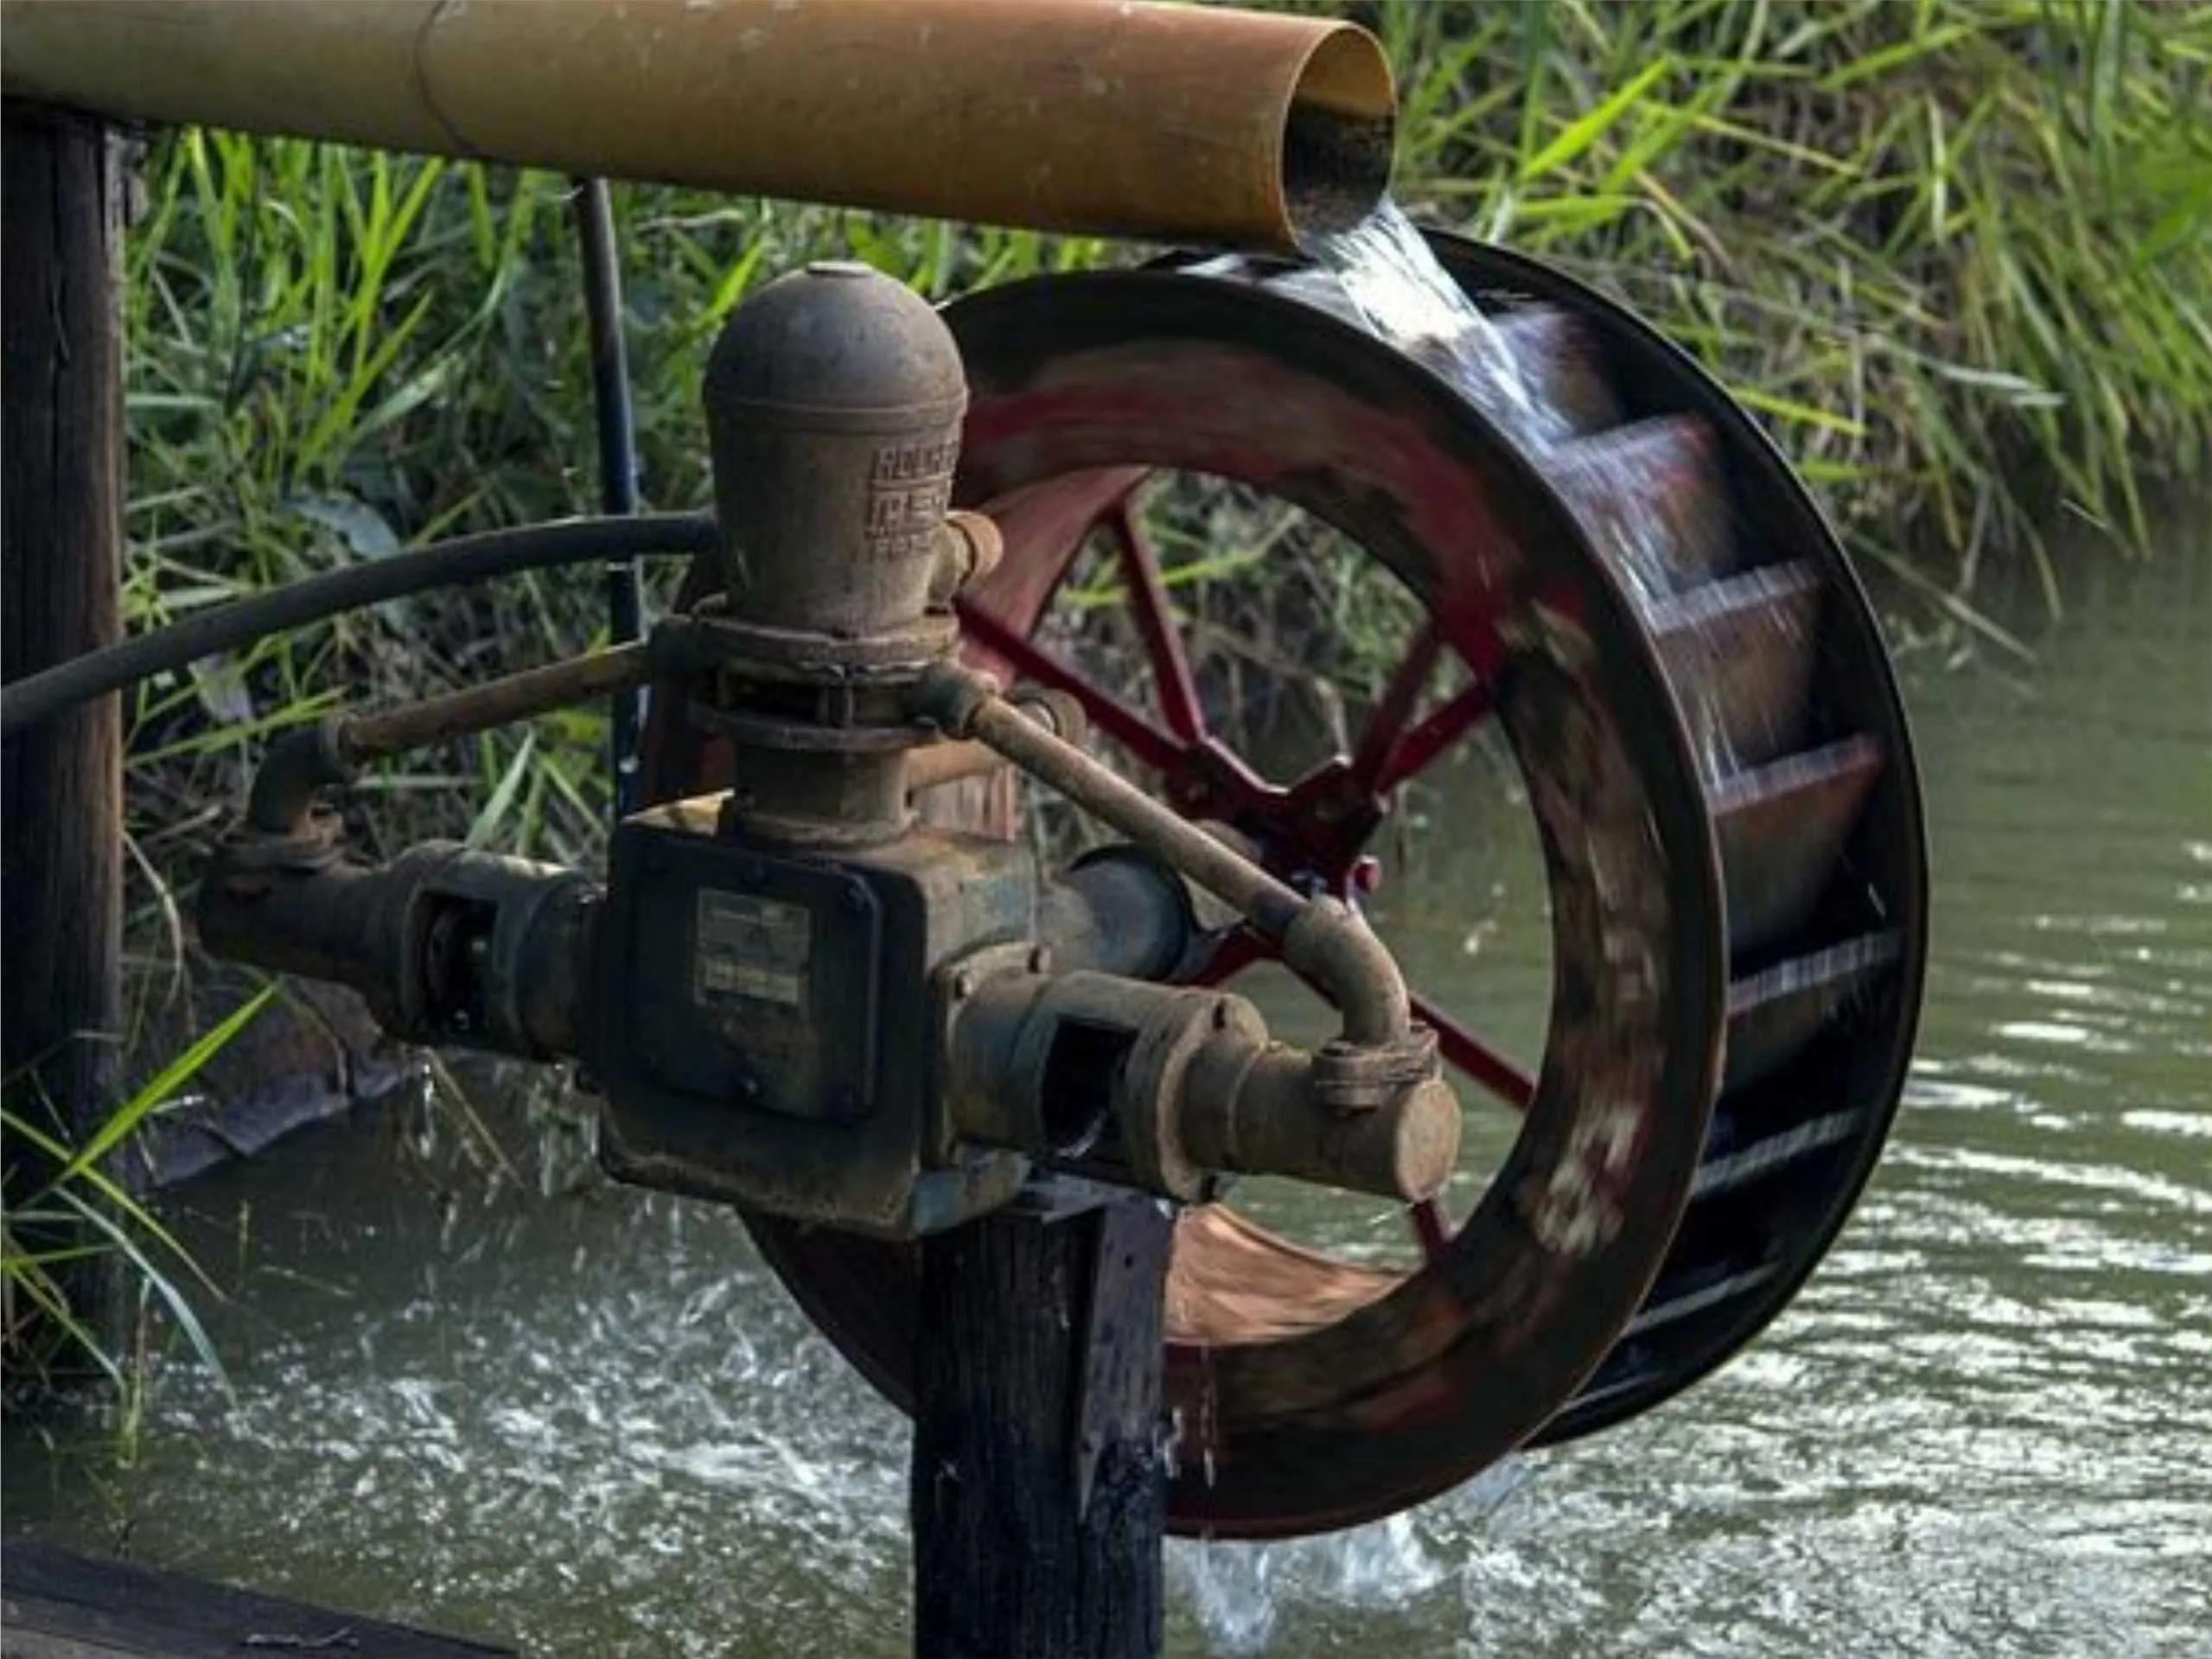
column 796, row 995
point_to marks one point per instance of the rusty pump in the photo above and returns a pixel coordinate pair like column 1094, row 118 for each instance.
column 794, row 995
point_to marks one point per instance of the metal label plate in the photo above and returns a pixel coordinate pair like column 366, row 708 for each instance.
column 751, row 949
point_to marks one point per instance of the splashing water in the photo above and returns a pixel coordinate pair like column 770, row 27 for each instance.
column 1238, row 1593
column 1393, row 281
column 1645, row 493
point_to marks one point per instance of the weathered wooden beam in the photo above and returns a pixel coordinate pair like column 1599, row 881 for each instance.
column 1040, row 1484
column 60, row 593
column 59, row 1604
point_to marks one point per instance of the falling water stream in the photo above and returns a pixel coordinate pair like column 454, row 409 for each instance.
column 586, row 1419
column 1392, row 280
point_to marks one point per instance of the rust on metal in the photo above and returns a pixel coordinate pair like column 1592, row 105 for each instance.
column 1100, row 116
column 500, row 702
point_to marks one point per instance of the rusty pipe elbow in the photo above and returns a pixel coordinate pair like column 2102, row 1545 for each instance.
column 298, row 766
column 1329, row 943
column 969, row 548
column 1322, row 938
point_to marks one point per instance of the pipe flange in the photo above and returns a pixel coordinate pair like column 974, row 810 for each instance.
column 708, row 639
column 1182, row 1028
column 319, row 843
column 797, row 735
column 1360, row 1077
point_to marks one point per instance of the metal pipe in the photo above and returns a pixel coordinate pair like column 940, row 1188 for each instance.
column 499, row 702
column 614, row 419
column 955, row 763
column 39, row 697
column 309, row 759
column 1172, row 1085
column 446, row 944
column 1119, row 910
column 1256, row 1109
column 1168, row 123
column 1319, row 938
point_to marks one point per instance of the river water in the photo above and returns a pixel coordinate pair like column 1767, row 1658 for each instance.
column 586, row 1419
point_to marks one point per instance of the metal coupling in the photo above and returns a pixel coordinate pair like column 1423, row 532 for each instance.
column 446, row 944
column 969, row 548
column 1172, row 1087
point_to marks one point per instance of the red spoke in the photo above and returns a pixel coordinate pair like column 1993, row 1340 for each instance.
column 1462, row 1048
column 1126, row 725
column 1148, row 598
column 1443, row 726
column 1386, row 727
column 1432, row 1228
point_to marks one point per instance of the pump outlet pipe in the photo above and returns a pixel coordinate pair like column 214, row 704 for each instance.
column 1319, row 937
column 1168, row 122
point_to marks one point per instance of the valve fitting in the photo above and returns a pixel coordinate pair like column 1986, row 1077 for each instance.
column 1170, row 1087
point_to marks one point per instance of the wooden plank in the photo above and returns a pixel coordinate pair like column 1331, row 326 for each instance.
column 61, row 594
column 55, row 1604
column 1039, row 1490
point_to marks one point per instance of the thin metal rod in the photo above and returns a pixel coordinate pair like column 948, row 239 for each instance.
column 616, row 418
column 1438, row 729
column 1116, row 718
column 463, row 560
column 309, row 759
column 1462, row 1048
column 500, row 702
column 1148, row 598
column 1386, row 728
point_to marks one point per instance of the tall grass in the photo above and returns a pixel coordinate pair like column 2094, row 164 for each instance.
column 70, row 1214
column 1954, row 251
column 1958, row 252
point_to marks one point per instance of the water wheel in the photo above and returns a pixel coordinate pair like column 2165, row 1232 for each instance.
column 1616, row 575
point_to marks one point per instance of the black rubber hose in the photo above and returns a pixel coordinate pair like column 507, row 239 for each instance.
column 614, row 419
column 53, row 691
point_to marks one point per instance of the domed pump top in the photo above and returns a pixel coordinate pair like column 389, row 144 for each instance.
column 833, row 402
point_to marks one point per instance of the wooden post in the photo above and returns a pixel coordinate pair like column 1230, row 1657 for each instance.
column 1040, row 1484
column 61, row 594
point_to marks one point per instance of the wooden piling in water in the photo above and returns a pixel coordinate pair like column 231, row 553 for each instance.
column 1039, row 1491
column 60, row 593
